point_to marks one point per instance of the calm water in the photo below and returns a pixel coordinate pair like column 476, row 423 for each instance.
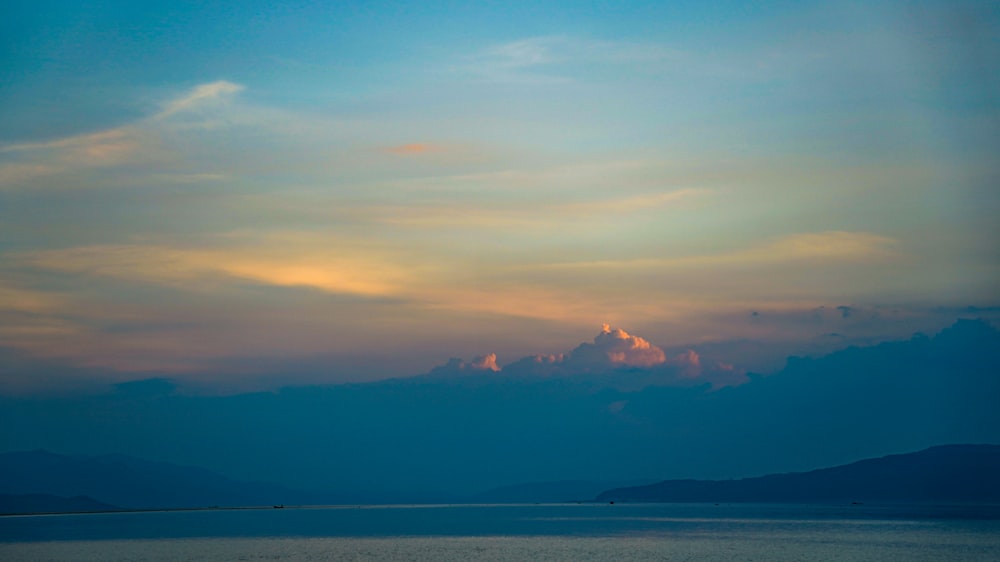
column 514, row 532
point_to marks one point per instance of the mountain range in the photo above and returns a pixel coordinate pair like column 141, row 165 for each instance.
column 123, row 482
column 44, row 482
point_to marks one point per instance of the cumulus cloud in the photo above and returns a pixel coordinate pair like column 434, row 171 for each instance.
column 537, row 365
column 689, row 363
column 615, row 359
column 486, row 362
column 455, row 365
column 616, row 347
column 612, row 348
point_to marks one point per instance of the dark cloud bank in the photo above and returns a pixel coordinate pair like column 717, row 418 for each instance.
column 612, row 410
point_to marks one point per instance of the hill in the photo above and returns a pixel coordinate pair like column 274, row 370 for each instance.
column 130, row 483
column 943, row 474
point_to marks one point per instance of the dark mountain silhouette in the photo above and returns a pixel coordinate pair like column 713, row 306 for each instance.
column 132, row 483
column 943, row 474
column 47, row 503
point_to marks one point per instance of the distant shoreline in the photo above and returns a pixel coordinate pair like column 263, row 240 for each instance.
column 513, row 504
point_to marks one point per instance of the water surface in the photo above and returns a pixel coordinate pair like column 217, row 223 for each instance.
column 515, row 532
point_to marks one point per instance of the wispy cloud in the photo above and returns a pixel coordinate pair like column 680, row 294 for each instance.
column 544, row 213
column 139, row 142
column 327, row 264
column 548, row 58
column 13, row 298
column 817, row 247
column 524, row 53
column 634, row 203
column 200, row 95
column 28, row 316
column 12, row 174
column 105, row 148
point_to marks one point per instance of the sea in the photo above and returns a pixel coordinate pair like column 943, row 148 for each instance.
column 580, row 532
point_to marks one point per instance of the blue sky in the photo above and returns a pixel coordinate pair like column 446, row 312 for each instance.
column 369, row 189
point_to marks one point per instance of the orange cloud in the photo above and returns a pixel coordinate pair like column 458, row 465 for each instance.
column 622, row 348
column 285, row 262
column 486, row 362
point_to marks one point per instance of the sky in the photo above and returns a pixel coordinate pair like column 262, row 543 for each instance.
column 243, row 195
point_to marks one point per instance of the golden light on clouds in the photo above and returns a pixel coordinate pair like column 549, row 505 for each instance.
column 349, row 270
column 27, row 300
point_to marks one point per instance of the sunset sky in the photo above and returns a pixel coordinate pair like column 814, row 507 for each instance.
column 334, row 191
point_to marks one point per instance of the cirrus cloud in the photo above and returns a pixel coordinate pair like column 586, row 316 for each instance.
column 134, row 143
